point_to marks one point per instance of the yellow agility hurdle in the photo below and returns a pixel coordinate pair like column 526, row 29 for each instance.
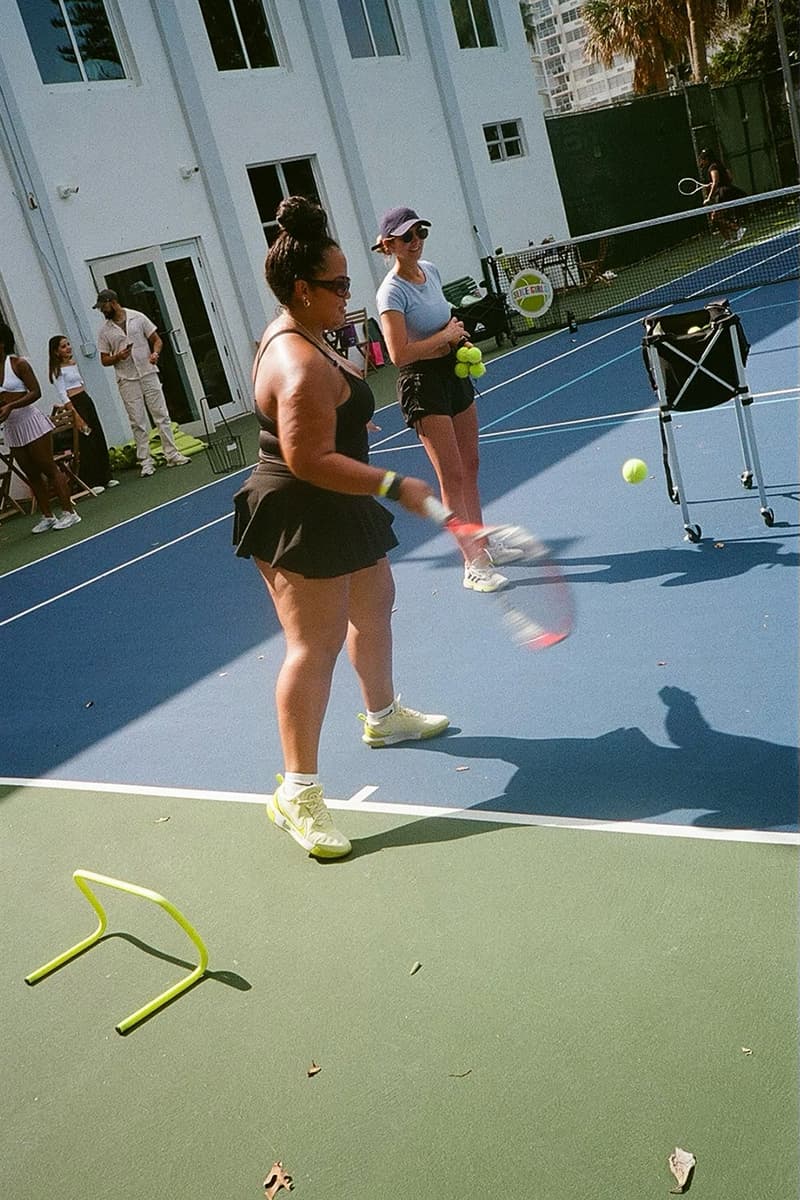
column 82, row 880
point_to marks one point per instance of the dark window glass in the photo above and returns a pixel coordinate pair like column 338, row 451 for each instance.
column 267, row 190
column 300, row 179
column 382, row 29
column 368, row 27
column 484, row 23
column 239, row 34
column 273, row 181
column 356, row 28
column 71, row 40
column 255, row 31
column 473, row 22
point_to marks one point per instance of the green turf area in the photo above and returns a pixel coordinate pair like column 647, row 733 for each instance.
column 584, row 1004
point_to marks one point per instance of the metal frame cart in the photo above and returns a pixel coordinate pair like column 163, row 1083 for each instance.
column 696, row 360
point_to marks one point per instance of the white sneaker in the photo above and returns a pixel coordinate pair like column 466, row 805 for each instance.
column 98, row 491
column 113, row 483
column 740, row 232
column 308, row 821
column 148, row 468
column 500, row 553
column 402, row 725
column 67, row 521
column 482, row 578
column 44, row 525
column 180, row 460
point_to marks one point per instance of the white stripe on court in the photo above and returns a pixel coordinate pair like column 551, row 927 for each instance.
column 650, row 829
column 113, row 570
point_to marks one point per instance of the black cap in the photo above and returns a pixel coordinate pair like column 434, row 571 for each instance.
column 104, row 296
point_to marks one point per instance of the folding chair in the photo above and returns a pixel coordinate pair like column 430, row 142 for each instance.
column 355, row 333
column 696, row 360
column 67, row 451
column 9, row 505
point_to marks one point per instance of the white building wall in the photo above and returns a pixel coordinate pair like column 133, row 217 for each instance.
column 382, row 131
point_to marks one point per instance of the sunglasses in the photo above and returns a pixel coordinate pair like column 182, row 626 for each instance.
column 340, row 285
column 419, row 231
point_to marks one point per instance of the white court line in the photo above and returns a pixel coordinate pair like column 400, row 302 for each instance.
column 482, row 816
column 113, row 570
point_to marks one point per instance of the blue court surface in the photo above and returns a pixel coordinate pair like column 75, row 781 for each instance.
column 146, row 656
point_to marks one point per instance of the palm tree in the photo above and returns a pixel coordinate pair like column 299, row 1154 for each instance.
column 651, row 32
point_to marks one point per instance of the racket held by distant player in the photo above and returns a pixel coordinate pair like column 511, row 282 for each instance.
column 536, row 603
column 689, row 186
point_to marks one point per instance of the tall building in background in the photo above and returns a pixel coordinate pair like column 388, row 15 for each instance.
column 566, row 80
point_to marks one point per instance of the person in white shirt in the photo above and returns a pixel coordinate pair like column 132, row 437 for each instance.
column 29, row 433
column 95, row 468
column 128, row 341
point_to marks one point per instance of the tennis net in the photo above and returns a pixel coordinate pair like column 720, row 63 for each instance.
column 718, row 250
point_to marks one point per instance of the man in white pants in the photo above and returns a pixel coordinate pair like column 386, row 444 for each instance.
column 128, row 341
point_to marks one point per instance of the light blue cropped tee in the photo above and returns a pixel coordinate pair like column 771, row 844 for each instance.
column 423, row 305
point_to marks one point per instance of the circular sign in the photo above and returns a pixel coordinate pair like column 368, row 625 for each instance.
column 531, row 293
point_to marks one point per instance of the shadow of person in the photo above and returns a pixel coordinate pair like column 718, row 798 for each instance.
column 423, row 831
column 705, row 778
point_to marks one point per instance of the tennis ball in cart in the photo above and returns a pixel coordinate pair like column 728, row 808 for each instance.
column 461, row 369
column 634, row 470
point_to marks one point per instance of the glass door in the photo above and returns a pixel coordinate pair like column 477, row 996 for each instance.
column 195, row 367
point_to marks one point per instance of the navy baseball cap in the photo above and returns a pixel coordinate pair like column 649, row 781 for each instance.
column 104, row 296
column 396, row 222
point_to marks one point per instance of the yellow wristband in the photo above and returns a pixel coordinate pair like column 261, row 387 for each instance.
column 386, row 483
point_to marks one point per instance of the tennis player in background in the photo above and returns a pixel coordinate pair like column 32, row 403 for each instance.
column 310, row 518
column 720, row 188
column 422, row 336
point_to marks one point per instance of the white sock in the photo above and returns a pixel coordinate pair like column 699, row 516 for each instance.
column 372, row 717
column 295, row 781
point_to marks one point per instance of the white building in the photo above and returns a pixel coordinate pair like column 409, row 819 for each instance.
column 567, row 80
column 147, row 148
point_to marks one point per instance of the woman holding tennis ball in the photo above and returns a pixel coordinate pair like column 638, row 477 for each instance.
column 434, row 389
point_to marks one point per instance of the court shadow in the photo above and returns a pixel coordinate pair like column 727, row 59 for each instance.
column 706, row 561
column 705, row 778
column 422, row 832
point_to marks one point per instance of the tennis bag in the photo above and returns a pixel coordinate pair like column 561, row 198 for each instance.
column 698, row 363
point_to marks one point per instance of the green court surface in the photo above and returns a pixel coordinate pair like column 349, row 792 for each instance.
column 586, row 1001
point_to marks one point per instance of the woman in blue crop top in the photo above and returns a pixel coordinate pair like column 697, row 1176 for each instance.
column 309, row 517
column 421, row 336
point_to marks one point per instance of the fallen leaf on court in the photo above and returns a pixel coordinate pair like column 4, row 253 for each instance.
column 160, row 820
column 276, row 1180
column 461, row 1075
column 314, row 1069
column 661, row 663
column 260, row 656
column 719, row 545
column 746, row 1050
column 682, row 1164
column 416, row 967
column 89, row 704
column 462, row 768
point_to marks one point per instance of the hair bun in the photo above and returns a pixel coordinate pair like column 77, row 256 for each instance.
column 302, row 219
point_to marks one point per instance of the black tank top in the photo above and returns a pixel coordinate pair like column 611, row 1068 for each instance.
column 351, row 416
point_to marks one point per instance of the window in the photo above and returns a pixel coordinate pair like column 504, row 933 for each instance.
column 72, row 40
column 369, row 29
column 504, row 140
column 273, row 181
column 239, row 34
column 473, row 22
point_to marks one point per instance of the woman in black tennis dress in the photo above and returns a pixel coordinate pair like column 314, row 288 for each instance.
column 310, row 519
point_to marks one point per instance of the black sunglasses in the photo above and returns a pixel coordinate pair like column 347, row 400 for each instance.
column 420, row 231
column 340, row 285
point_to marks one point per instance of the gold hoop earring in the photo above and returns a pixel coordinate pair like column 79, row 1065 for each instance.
column 306, row 302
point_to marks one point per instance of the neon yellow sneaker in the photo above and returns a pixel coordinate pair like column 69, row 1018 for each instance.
column 308, row 821
column 402, row 725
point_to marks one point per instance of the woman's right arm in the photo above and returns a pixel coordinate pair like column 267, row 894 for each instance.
column 402, row 350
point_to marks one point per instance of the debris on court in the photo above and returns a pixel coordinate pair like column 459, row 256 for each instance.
column 462, row 768
column 719, row 545
column 89, row 704
column 682, row 1164
column 661, row 662
column 276, row 1180
column 417, row 966
column 460, row 1074
column 314, row 1069
column 161, row 820
column 746, row 1050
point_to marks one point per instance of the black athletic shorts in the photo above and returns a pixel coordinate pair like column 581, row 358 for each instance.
column 430, row 387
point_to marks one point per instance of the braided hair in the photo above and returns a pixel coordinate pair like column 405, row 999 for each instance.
column 300, row 248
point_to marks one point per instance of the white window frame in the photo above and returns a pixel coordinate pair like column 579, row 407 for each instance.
column 500, row 141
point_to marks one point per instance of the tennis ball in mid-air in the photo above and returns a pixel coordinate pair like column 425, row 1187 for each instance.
column 462, row 354
column 474, row 354
column 461, row 369
column 634, row 470
column 476, row 369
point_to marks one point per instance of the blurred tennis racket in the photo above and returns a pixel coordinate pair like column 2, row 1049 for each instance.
column 689, row 186
column 536, row 605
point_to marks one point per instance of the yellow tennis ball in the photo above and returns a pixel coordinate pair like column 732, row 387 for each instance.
column 476, row 369
column 695, row 329
column 462, row 354
column 461, row 369
column 634, row 470
column 474, row 354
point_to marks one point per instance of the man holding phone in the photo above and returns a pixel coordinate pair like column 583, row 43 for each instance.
column 128, row 341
